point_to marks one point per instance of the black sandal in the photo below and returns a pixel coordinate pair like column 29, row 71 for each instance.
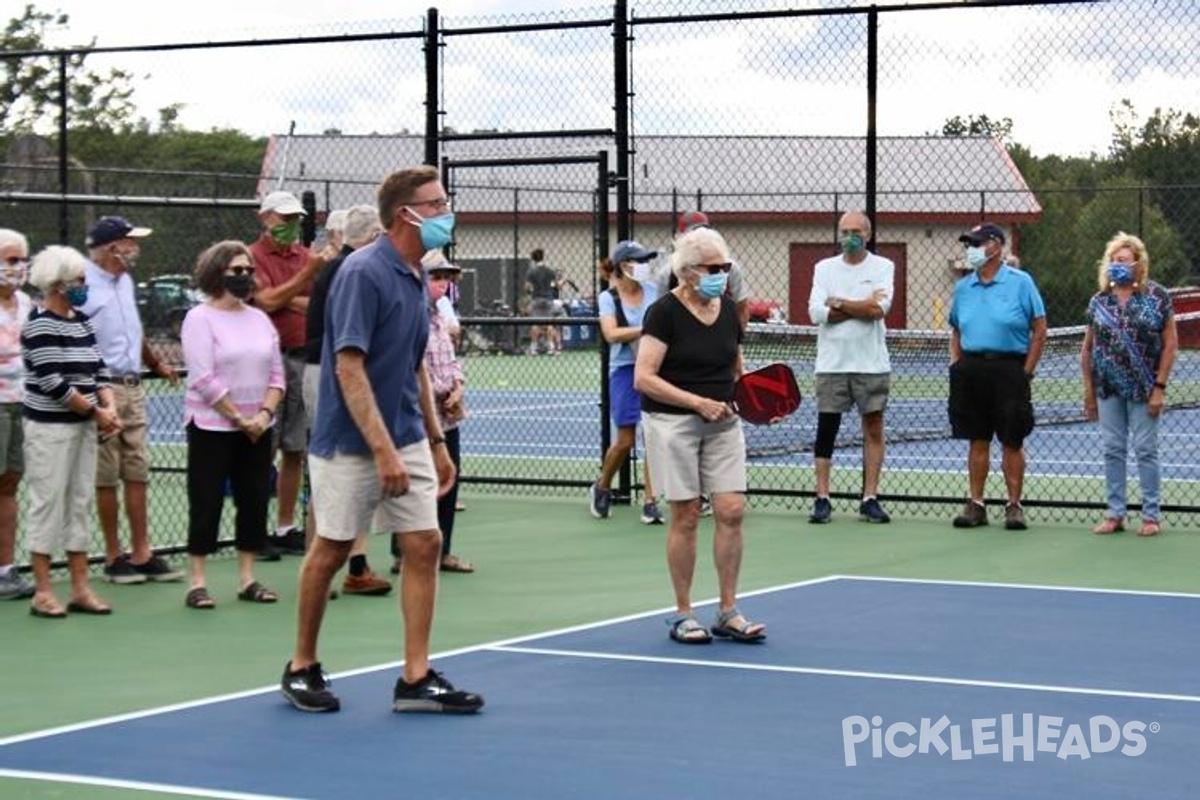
column 257, row 593
column 199, row 598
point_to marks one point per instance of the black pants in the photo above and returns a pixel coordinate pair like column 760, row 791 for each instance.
column 446, row 503
column 217, row 459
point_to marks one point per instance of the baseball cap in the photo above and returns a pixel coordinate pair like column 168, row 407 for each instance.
column 693, row 219
column 336, row 220
column 282, row 203
column 436, row 261
column 982, row 233
column 629, row 250
column 111, row 229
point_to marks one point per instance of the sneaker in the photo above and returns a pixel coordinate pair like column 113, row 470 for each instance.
column 435, row 694
column 869, row 510
column 651, row 515
column 308, row 689
column 14, row 587
column 973, row 515
column 705, row 506
column 368, row 584
column 598, row 501
column 1014, row 517
column 822, row 511
column 157, row 570
column 122, row 571
column 289, row 540
column 269, row 551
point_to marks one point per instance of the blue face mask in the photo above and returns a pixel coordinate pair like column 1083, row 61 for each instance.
column 976, row 257
column 436, row 232
column 852, row 243
column 76, row 294
column 1120, row 274
column 712, row 285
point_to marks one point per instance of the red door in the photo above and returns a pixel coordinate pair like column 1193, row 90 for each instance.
column 802, row 260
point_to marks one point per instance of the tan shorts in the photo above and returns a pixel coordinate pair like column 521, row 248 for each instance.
column 59, row 485
column 689, row 456
column 124, row 457
column 348, row 500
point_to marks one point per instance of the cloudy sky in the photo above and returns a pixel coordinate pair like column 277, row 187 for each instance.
column 1057, row 72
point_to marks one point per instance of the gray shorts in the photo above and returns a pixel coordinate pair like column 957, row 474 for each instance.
column 838, row 392
column 12, row 438
column 688, row 456
column 291, row 424
column 545, row 307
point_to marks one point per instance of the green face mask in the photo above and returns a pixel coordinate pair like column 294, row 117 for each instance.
column 285, row 233
column 852, row 243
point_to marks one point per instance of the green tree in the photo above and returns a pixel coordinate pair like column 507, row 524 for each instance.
column 981, row 125
column 30, row 92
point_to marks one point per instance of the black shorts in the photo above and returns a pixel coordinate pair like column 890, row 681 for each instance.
column 990, row 397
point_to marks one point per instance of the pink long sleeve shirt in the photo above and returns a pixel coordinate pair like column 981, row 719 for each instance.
column 234, row 353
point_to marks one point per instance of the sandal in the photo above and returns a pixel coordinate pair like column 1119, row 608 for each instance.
column 255, row 592
column 199, row 598
column 1150, row 527
column 685, row 629
column 455, row 564
column 47, row 607
column 1110, row 525
column 727, row 627
column 89, row 605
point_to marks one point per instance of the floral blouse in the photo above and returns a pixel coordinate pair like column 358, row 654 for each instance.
column 1127, row 342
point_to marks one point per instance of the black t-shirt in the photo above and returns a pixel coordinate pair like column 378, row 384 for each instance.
column 542, row 282
column 314, row 323
column 699, row 357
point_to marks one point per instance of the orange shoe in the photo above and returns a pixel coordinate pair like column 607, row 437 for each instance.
column 368, row 584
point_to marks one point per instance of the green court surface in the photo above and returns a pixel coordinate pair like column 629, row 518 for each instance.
column 542, row 564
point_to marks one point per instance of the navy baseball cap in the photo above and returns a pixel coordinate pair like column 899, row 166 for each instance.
column 982, row 233
column 112, row 229
column 630, row 250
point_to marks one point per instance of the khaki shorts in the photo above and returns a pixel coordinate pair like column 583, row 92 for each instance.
column 689, row 456
column 838, row 392
column 12, row 438
column 59, row 485
column 124, row 457
column 348, row 500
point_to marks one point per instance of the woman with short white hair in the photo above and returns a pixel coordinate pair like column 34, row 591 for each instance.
column 15, row 306
column 67, row 398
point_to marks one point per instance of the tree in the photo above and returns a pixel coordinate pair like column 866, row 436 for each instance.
column 30, row 92
column 981, row 125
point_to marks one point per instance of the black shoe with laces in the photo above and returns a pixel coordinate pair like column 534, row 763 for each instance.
column 822, row 511
column 433, row 694
column 308, row 689
column 290, row 541
column 870, row 511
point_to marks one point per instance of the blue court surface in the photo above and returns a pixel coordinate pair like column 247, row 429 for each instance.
column 865, row 688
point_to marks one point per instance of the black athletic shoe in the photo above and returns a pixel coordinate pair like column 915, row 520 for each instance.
column 822, row 511
column 433, row 694
column 289, row 541
column 308, row 689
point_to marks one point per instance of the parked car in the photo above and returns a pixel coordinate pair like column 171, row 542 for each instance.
column 163, row 301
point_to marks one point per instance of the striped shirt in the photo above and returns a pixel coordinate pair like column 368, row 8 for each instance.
column 60, row 355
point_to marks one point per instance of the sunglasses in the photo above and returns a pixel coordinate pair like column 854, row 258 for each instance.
column 15, row 261
column 712, row 269
column 239, row 270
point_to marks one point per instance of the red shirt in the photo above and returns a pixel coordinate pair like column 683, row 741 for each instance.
column 275, row 268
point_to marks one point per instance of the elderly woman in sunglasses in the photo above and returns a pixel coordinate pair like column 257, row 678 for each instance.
column 689, row 357
column 235, row 384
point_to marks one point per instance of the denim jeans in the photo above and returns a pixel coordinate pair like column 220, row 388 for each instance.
column 1123, row 420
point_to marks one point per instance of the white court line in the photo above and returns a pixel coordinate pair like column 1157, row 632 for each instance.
column 843, row 673
column 1027, row 586
column 206, row 701
column 140, row 786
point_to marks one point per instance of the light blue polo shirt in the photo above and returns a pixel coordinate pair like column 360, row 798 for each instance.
column 112, row 307
column 996, row 316
column 377, row 305
column 623, row 354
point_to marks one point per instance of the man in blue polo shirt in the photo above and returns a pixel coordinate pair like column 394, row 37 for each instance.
column 998, row 330
column 377, row 450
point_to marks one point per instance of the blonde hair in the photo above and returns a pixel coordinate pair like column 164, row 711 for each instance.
column 1141, row 264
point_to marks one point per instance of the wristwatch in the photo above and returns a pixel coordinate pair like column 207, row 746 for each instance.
column 436, row 440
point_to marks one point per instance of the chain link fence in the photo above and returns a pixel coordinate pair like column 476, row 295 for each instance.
column 565, row 131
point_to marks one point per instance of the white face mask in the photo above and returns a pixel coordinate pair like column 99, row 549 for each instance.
column 639, row 271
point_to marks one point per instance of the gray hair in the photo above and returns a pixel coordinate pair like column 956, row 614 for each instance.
column 10, row 238
column 336, row 221
column 690, row 245
column 362, row 225
column 54, row 265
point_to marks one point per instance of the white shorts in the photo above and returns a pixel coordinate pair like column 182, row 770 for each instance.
column 348, row 499
column 689, row 456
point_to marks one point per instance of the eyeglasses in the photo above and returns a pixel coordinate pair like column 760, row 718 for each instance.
column 712, row 269
column 15, row 261
column 442, row 203
column 239, row 270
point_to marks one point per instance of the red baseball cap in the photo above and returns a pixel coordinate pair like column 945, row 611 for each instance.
column 692, row 219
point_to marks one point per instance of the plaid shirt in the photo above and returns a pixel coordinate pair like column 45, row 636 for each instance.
column 443, row 366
